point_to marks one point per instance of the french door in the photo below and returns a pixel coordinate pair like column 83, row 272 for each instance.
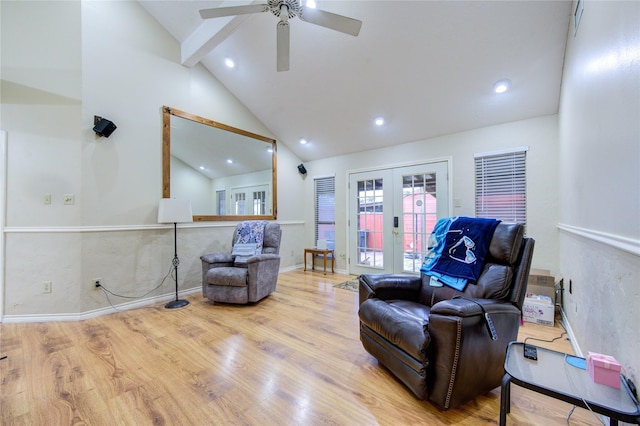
column 249, row 201
column 391, row 215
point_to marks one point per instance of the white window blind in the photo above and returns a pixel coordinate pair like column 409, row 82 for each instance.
column 222, row 202
column 501, row 186
column 325, row 209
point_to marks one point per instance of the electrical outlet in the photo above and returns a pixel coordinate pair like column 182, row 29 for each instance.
column 96, row 283
column 46, row 286
column 46, row 199
column 69, row 199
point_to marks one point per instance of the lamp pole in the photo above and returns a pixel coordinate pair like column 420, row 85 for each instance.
column 173, row 211
column 176, row 303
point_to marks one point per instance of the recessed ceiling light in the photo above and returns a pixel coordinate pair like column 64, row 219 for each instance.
column 229, row 63
column 303, row 141
column 201, row 167
column 379, row 121
column 230, row 161
column 501, row 86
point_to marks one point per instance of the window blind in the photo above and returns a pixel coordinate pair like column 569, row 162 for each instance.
column 325, row 208
column 501, row 186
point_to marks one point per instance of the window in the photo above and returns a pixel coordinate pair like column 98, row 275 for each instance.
column 240, row 203
column 222, row 202
column 259, row 204
column 501, row 185
column 325, row 210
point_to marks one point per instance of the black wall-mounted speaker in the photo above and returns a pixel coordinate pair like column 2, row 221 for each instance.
column 103, row 127
column 302, row 169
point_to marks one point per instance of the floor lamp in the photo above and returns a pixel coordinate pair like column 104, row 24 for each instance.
column 174, row 211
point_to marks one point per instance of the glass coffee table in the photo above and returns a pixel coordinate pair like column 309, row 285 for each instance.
column 555, row 374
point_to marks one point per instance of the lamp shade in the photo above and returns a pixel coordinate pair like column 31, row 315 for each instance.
column 174, row 211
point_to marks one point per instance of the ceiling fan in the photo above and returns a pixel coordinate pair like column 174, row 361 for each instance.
column 285, row 10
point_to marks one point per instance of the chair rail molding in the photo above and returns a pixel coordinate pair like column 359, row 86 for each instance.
column 626, row 244
column 120, row 228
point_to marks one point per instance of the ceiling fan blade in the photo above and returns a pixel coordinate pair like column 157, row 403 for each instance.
column 331, row 20
column 282, row 45
column 219, row 12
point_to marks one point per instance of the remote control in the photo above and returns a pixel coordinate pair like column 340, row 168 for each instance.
column 530, row 352
column 490, row 327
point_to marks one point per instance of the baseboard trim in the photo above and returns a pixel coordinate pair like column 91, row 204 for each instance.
column 570, row 335
column 97, row 312
column 125, row 306
column 628, row 245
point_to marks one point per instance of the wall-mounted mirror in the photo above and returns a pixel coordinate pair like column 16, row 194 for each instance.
column 226, row 172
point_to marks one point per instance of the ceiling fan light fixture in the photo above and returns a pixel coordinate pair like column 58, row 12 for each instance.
column 286, row 10
column 502, row 86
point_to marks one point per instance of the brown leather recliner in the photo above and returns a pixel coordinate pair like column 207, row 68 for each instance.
column 435, row 339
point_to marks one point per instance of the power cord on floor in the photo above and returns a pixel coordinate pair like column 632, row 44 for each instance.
column 108, row 292
column 546, row 341
column 564, row 333
column 570, row 413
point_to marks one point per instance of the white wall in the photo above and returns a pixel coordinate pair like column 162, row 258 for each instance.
column 600, row 180
column 192, row 185
column 539, row 134
column 62, row 63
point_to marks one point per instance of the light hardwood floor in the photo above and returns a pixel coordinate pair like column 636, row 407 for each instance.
column 293, row 359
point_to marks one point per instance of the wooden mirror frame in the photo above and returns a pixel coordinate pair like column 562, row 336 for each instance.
column 167, row 112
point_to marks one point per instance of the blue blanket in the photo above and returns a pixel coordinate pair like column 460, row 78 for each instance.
column 435, row 248
column 465, row 247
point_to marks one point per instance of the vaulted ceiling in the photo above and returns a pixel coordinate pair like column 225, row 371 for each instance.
column 427, row 67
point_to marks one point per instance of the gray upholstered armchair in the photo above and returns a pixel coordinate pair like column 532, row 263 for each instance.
column 233, row 278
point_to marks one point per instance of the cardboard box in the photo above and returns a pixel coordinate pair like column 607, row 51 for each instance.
column 541, row 282
column 540, row 298
column 604, row 369
column 538, row 311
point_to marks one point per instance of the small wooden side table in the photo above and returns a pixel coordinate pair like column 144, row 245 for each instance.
column 324, row 253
